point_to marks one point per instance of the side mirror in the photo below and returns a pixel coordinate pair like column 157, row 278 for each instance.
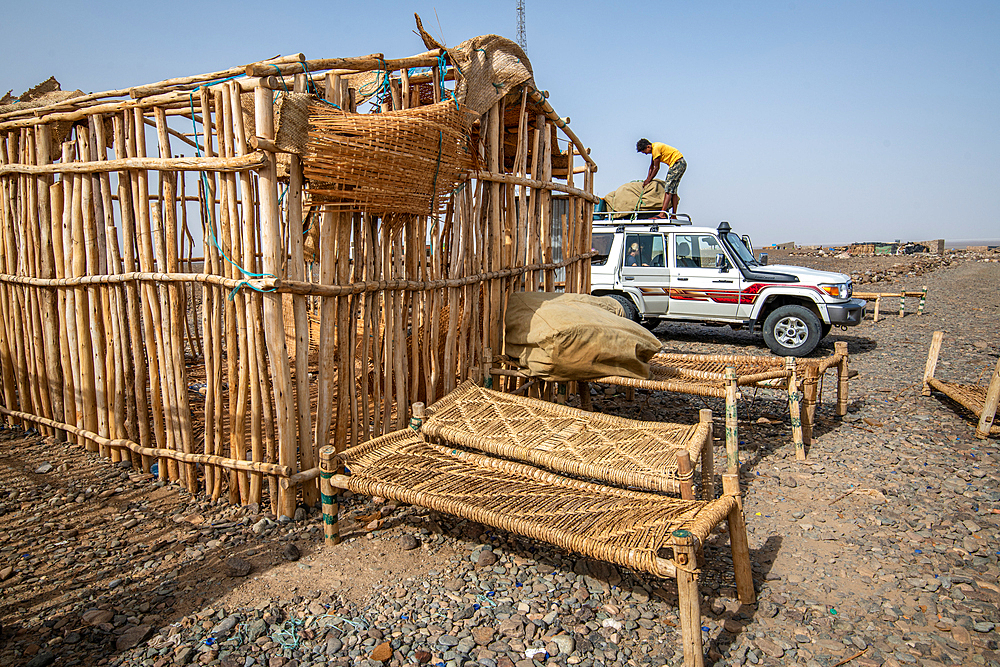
column 721, row 263
column 763, row 259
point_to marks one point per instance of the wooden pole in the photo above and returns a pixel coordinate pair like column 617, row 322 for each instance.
column 331, row 509
column 707, row 455
column 50, row 317
column 840, row 348
column 923, row 300
column 177, row 309
column 329, row 222
column 989, row 405
column 274, row 330
column 794, row 409
column 685, row 474
column 732, row 432
column 878, row 303
column 150, row 298
column 932, row 359
column 689, row 599
column 239, row 336
column 739, row 541
column 810, row 388
column 296, row 271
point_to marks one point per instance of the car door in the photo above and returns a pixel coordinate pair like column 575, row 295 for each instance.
column 644, row 268
column 698, row 289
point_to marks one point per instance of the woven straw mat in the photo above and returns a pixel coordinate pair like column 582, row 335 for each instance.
column 617, row 525
column 393, row 162
column 570, row 441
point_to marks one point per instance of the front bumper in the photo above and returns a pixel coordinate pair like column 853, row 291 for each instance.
column 847, row 314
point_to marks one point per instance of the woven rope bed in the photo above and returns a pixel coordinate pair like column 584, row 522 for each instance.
column 979, row 399
column 720, row 376
column 634, row 529
column 574, row 442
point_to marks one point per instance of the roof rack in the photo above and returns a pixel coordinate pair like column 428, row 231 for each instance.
column 620, row 217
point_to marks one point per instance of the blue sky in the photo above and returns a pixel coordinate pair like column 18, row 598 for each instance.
column 814, row 122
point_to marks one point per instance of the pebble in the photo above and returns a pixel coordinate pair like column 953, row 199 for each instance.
column 888, row 568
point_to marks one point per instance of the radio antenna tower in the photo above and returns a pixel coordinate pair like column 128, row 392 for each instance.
column 522, row 38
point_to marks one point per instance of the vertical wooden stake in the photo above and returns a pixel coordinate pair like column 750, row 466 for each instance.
column 840, row 348
column 274, row 329
column 794, row 409
column 707, row 456
column 739, row 541
column 732, row 431
column 932, row 359
column 685, row 474
column 923, row 299
column 689, row 599
column 811, row 388
column 331, row 525
column 902, row 302
column 878, row 303
column 990, row 405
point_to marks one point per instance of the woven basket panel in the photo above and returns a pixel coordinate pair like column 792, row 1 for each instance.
column 607, row 523
column 394, row 162
column 570, row 441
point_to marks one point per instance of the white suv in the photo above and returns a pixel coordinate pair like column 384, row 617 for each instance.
column 663, row 270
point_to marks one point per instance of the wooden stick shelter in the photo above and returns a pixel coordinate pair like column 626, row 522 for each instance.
column 979, row 399
column 165, row 249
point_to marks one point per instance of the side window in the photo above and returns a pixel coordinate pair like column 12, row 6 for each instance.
column 644, row 250
column 695, row 251
column 684, row 251
column 601, row 244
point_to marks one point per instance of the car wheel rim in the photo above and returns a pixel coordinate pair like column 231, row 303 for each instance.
column 791, row 332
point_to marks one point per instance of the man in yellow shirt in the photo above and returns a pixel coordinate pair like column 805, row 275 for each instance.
column 676, row 166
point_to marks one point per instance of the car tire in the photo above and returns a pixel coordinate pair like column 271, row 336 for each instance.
column 792, row 331
column 631, row 312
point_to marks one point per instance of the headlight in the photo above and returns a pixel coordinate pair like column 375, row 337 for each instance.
column 839, row 291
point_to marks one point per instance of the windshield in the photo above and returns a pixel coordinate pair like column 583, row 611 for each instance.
column 601, row 244
column 735, row 243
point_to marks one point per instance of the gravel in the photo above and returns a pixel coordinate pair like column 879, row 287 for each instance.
column 884, row 543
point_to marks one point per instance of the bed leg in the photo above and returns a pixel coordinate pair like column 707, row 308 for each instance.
column 418, row 413
column 689, row 600
column 932, row 359
column 840, row 347
column 707, row 456
column 739, row 541
column 795, row 410
column 685, row 474
column 331, row 509
column 810, row 386
column 732, row 432
column 585, row 404
column 990, row 406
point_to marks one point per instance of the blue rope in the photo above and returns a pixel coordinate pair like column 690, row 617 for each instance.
column 315, row 88
column 211, row 213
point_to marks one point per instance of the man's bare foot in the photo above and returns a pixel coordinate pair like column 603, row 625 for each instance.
column 660, row 216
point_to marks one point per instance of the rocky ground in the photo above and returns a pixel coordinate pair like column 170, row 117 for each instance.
column 881, row 549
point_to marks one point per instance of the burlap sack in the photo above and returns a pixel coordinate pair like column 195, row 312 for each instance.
column 633, row 197
column 565, row 337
